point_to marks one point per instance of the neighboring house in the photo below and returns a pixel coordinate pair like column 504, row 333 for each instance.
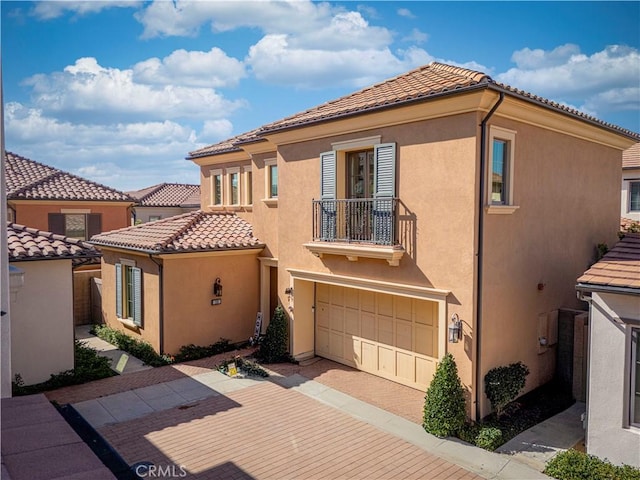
column 438, row 195
column 188, row 279
column 630, row 198
column 42, row 324
column 612, row 287
column 49, row 199
column 165, row 200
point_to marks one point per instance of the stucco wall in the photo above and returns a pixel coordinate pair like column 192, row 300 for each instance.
column 189, row 316
column 609, row 375
column 143, row 213
column 150, row 299
column 36, row 215
column 82, row 306
column 436, row 184
column 42, row 321
column 627, row 175
column 567, row 191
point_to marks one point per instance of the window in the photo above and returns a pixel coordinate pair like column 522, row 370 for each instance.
column 216, row 187
column 635, row 378
column 500, row 170
column 76, row 225
column 360, row 174
column 634, row 196
column 248, row 186
column 234, row 186
column 129, row 292
column 271, row 178
column 154, row 218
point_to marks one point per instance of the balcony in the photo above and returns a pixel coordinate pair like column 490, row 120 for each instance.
column 362, row 227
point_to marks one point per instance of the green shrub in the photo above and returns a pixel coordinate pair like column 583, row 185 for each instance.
column 138, row 348
column 195, row 352
column 88, row 366
column 503, row 384
column 489, row 438
column 244, row 365
column 469, row 432
column 575, row 465
column 444, row 405
column 275, row 344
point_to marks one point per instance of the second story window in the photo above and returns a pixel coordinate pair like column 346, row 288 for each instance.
column 500, row 168
column 634, row 196
column 75, row 225
column 271, row 169
column 216, row 187
column 234, row 186
column 248, row 186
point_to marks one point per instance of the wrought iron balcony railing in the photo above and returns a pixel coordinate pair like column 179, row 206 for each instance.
column 362, row 220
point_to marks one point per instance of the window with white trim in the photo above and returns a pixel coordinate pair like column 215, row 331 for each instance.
column 271, row 177
column 500, row 167
column 248, row 185
column 634, row 404
column 233, row 178
column 217, row 198
column 129, row 292
column 634, row 196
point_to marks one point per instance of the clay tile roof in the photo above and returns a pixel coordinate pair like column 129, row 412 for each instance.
column 30, row 180
column 190, row 232
column 620, row 267
column 168, row 195
column 631, row 157
column 229, row 145
column 26, row 243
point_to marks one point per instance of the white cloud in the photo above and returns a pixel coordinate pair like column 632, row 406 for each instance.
column 416, row 36
column 212, row 69
column 405, row 12
column 214, row 130
column 48, row 10
column 603, row 81
column 85, row 88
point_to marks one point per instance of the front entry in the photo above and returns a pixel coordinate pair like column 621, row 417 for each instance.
column 391, row 336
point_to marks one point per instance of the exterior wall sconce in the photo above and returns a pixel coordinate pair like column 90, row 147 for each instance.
column 288, row 291
column 217, row 288
column 455, row 329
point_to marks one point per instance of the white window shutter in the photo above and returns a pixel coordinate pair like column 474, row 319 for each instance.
column 119, row 290
column 385, row 170
column 328, row 175
column 137, row 296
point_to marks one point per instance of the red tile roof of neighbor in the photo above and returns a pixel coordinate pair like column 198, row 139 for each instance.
column 631, row 157
column 168, row 195
column 26, row 243
column 30, row 180
column 620, row 267
column 190, row 232
column 424, row 83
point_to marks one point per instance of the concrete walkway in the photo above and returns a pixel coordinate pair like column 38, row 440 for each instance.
column 121, row 361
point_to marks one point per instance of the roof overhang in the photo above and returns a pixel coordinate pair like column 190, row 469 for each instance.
column 621, row 290
column 220, row 158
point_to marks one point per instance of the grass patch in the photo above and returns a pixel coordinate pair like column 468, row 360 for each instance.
column 575, row 465
column 89, row 366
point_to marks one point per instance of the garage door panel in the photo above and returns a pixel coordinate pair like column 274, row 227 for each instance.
column 322, row 293
column 351, row 350
column 386, row 361
column 368, row 326
column 403, row 308
column 405, row 366
column 425, row 313
column 352, row 322
column 336, row 345
column 351, row 298
column 336, row 295
column 322, row 315
column 404, row 335
column 424, row 340
column 369, row 357
column 337, row 318
column 385, row 330
column 322, row 341
column 425, row 368
column 367, row 302
column 385, row 305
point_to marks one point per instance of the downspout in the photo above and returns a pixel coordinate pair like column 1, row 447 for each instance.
column 481, row 200
column 160, row 304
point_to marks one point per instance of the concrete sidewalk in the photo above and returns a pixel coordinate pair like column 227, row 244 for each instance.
column 121, row 361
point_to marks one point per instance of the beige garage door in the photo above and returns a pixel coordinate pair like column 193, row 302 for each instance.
column 391, row 336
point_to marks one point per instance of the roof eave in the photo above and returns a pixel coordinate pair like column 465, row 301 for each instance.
column 598, row 288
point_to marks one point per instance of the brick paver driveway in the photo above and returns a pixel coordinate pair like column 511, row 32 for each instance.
column 269, row 432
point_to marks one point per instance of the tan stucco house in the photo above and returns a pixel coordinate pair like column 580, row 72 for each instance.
column 164, row 200
column 436, row 196
column 612, row 288
column 188, row 279
column 42, row 309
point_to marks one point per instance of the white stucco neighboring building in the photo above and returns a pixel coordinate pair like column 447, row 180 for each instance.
column 612, row 287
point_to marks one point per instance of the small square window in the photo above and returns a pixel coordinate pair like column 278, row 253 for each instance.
column 634, row 196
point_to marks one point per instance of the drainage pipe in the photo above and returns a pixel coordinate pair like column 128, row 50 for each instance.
column 160, row 304
column 481, row 200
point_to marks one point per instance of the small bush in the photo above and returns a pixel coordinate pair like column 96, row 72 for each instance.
column 489, row 438
column 275, row 345
column 575, row 465
column 138, row 348
column 444, row 405
column 88, row 366
column 244, row 365
column 503, row 384
column 469, row 432
column 195, row 352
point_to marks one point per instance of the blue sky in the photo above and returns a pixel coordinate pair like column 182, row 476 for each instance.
column 120, row 92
